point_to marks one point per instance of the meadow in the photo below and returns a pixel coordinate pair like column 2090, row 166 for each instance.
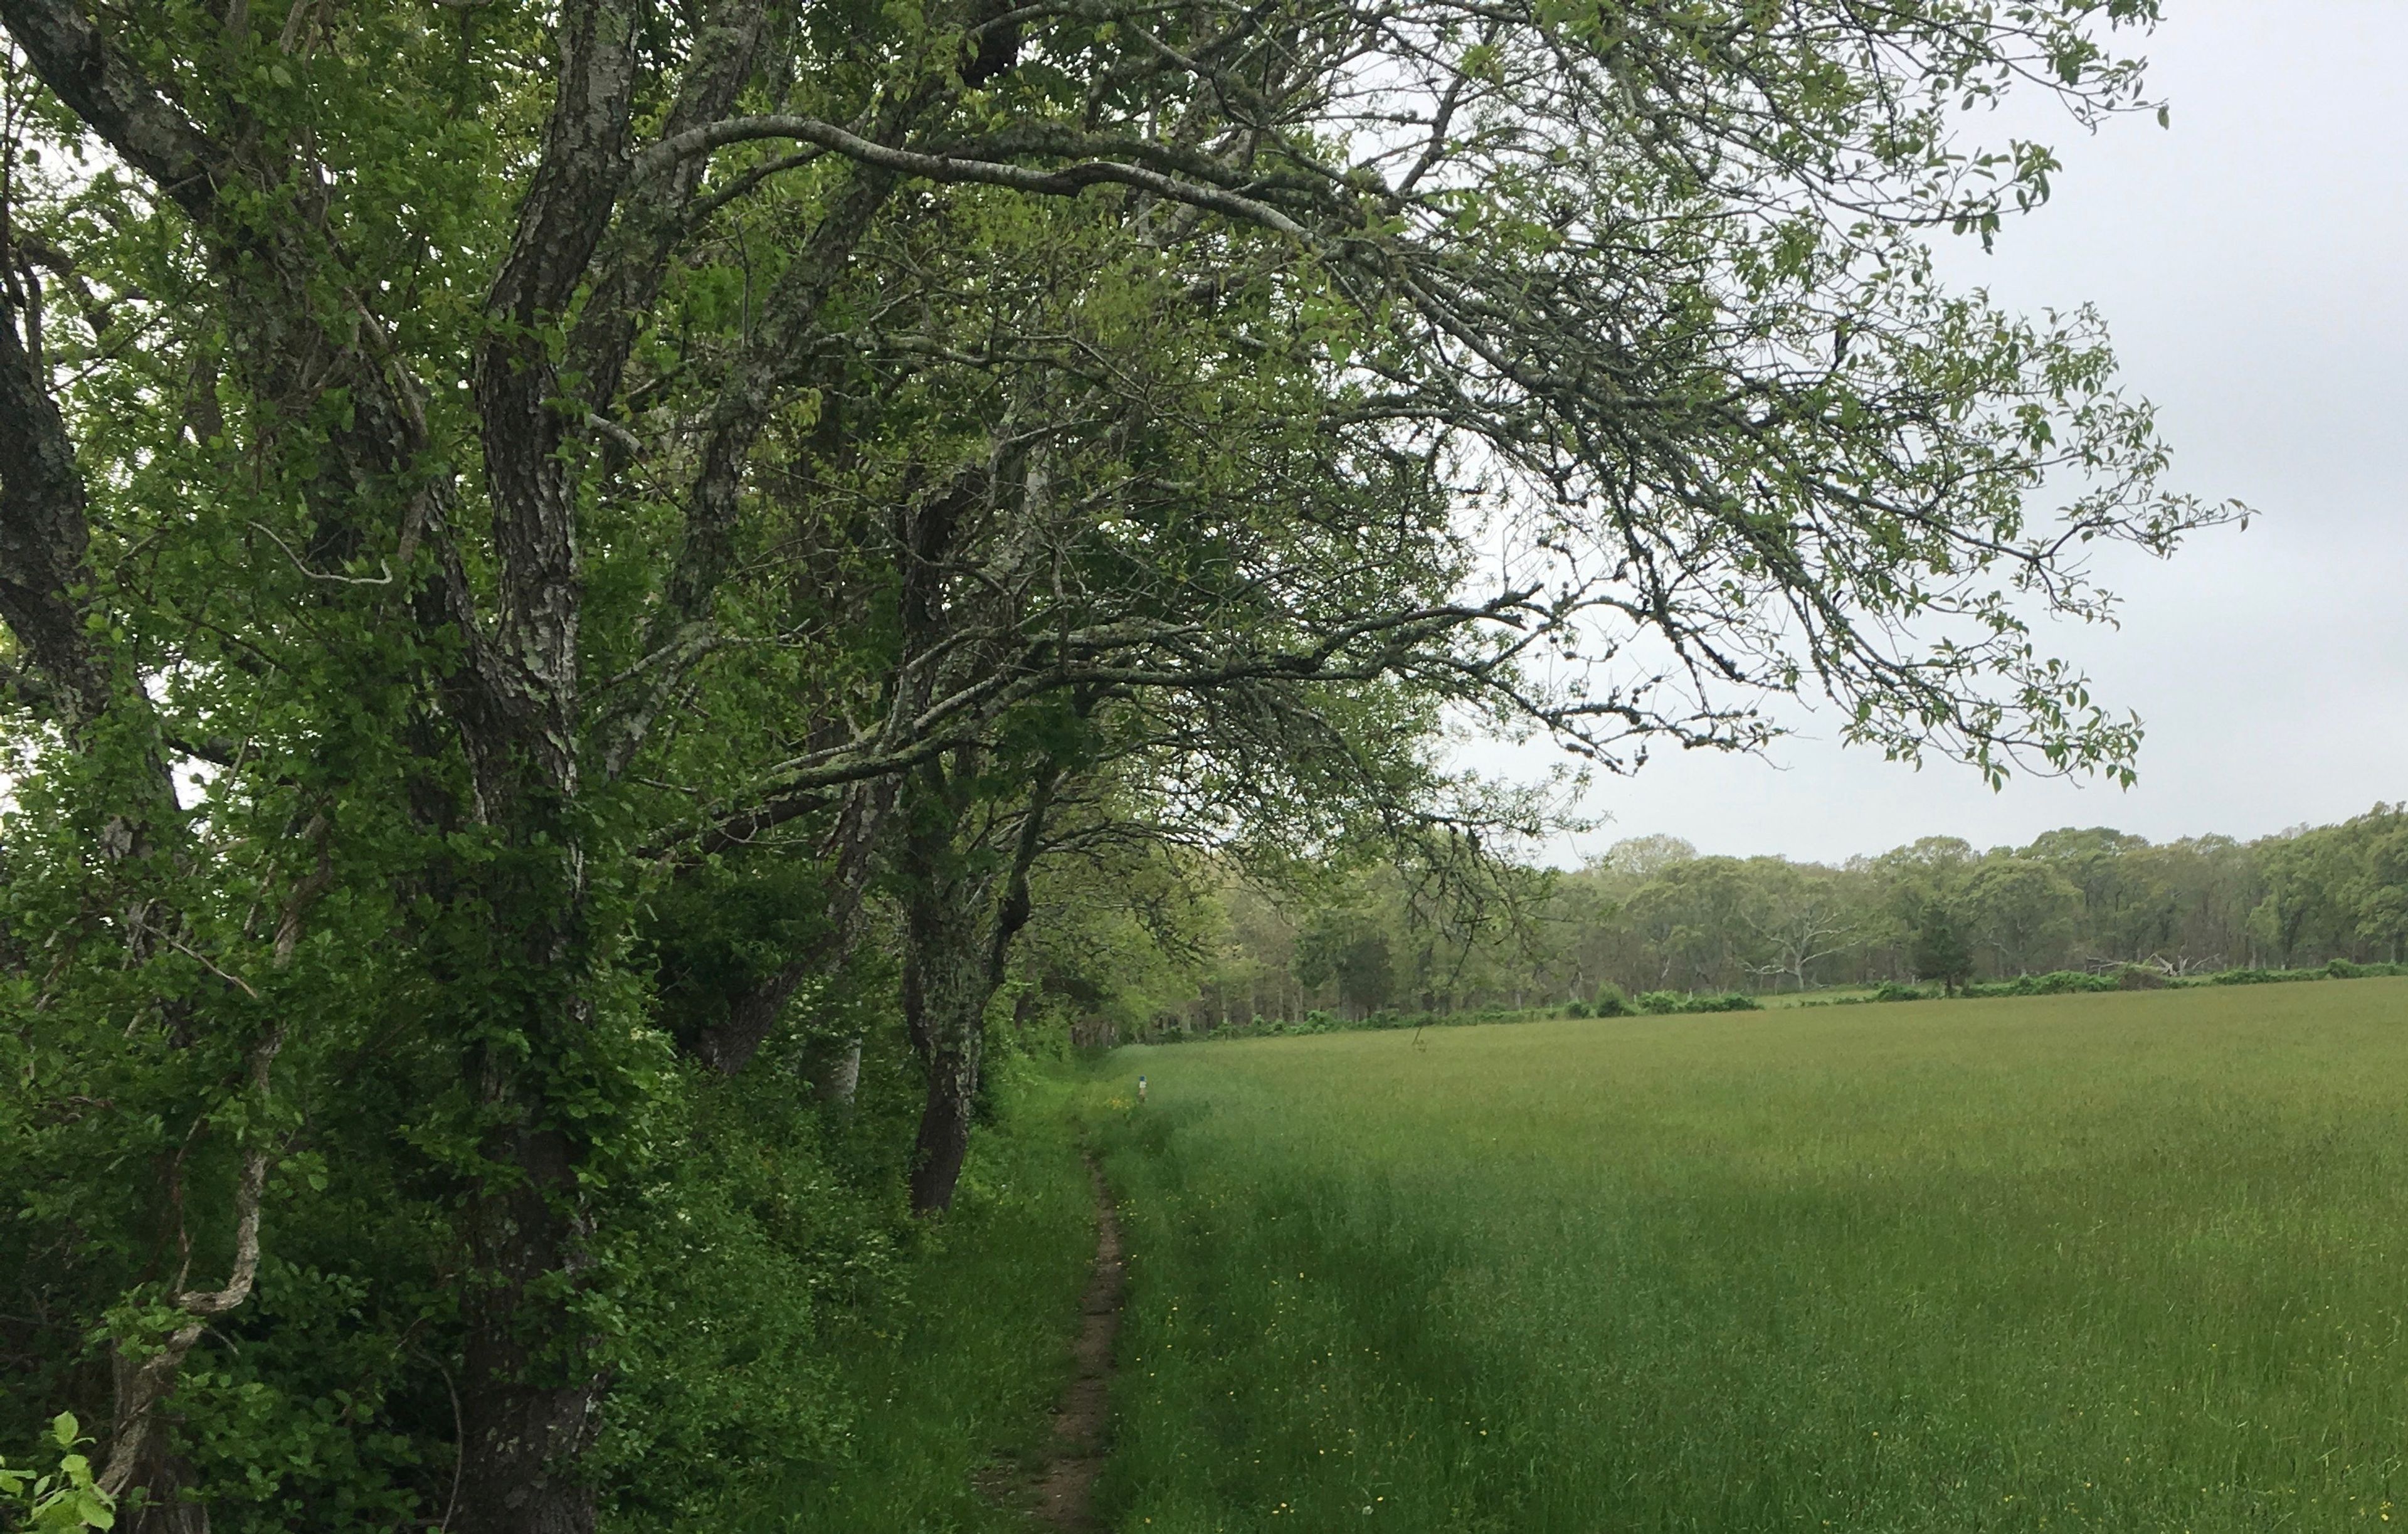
column 2129, row 1262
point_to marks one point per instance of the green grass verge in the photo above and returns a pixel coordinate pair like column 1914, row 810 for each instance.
column 962, row 1373
column 2128, row 1262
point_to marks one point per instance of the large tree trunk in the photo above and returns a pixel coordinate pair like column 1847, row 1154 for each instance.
column 945, row 990
column 944, row 1139
column 960, row 918
column 529, row 1394
column 530, row 1388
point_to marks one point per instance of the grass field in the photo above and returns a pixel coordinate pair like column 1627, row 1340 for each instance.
column 2133, row 1262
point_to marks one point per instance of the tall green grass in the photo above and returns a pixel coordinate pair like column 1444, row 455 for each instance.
column 2133, row 1262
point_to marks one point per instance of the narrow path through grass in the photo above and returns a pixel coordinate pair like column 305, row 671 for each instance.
column 961, row 1372
column 1065, row 1493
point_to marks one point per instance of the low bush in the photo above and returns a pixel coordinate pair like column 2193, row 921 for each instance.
column 1611, row 1001
column 2264, row 977
column 2344, row 970
column 2057, row 983
column 1726, row 1001
column 1664, row 1003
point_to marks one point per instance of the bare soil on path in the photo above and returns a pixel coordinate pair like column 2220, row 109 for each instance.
column 1061, row 1492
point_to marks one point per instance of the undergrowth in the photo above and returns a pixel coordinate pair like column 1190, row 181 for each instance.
column 954, row 1378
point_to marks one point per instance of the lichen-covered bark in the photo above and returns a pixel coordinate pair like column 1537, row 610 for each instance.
column 963, row 906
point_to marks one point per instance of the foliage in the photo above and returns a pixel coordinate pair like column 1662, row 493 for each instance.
column 66, row 1497
column 2055, row 982
column 1660, row 1003
column 953, row 1359
column 1939, row 953
column 2335, row 969
column 2344, row 970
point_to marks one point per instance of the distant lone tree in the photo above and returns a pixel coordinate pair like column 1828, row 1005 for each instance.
column 1940, row 952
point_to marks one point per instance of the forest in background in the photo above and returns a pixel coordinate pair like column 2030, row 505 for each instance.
column 1653, row 914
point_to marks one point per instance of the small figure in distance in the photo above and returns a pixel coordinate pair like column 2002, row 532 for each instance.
column 1141, row 1092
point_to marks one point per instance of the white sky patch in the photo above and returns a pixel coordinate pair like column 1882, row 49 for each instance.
column 2247, row 262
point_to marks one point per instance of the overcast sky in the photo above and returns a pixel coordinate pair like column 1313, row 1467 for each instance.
column 2252, row 264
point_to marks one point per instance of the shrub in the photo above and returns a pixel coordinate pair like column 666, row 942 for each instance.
column 1611, row 1001
column 1890, row 990
column 1662, row 1003
column 2055, row 983
column 2344, row 970
column 2264, row 977
column 1578, row 1009
column 1726, row 1001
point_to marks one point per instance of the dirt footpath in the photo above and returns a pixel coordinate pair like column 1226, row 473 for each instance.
column 1060, row 1494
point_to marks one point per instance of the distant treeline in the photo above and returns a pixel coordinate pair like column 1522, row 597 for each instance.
column 1653, row 916
column 1612, row 1001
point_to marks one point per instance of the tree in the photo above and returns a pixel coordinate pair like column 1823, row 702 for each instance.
column 1697, row 920
column 1644, row 857
column 1347, row 952
column 2022, row 911
column 1800, row 915
column 2301, row 913
column 1941, row 952
column 2095, row 862
column 466, row 471
column 2336, row 891
column 2379, row 892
